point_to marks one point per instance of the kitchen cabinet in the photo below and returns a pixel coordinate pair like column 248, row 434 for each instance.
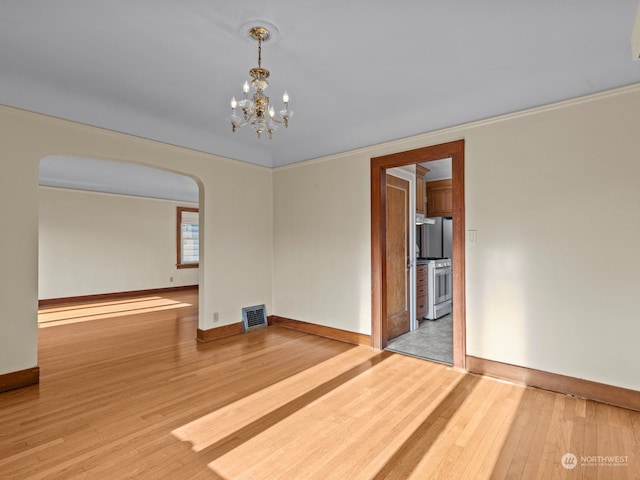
column 440, row 198
column 421, row 189
column 421, row 291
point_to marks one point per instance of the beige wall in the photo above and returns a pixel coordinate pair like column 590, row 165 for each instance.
column 552, row 282
column 236, row 266
column 553, row 194
column 322, row 248
column 92, row 243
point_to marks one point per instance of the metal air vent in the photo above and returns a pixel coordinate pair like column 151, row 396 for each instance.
column 254, row 317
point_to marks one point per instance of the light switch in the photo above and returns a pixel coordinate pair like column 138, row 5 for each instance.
column 472, row 235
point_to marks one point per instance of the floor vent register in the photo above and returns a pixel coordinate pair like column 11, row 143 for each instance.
column 254, row 317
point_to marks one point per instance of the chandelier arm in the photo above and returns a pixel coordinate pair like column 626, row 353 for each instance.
column 246, row 121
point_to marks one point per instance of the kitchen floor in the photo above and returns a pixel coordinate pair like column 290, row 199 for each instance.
column 433, row 340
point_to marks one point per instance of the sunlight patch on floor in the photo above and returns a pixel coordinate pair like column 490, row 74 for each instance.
column 472, row 456
column 372, row 429
column 65, row 314
column 302, row 445
column 222, row 424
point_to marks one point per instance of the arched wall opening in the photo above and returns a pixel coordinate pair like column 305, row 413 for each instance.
column 236, row 264
column 109, row 227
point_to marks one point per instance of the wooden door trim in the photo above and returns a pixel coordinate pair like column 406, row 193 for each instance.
column 379, row 165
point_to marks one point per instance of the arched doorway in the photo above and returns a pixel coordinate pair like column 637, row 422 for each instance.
column 108, row 228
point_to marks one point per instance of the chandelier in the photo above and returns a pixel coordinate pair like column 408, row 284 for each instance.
column 255, row 109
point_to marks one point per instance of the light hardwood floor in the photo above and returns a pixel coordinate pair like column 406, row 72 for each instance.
column 126, row 392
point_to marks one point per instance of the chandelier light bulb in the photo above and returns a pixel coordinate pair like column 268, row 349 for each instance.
column 272, row 112
column 234, row 103
column 285, row 97
column 246, row 87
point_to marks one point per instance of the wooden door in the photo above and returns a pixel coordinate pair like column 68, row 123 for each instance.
column 398, row 291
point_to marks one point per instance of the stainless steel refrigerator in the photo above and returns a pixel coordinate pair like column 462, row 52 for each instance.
column 435, row 240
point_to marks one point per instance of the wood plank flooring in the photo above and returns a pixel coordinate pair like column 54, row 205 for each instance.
column 127, row 392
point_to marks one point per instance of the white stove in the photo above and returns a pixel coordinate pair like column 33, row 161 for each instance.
column 439, row 288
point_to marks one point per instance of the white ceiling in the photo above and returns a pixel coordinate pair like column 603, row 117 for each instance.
column 359, row 72
column 438, row 169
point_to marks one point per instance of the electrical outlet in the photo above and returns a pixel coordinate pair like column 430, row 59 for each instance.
column 171, row 279
column 216, row 317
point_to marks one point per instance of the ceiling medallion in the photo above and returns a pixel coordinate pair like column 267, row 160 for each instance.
column 255, row 108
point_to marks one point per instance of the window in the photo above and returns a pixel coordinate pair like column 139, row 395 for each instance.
column 188, row 237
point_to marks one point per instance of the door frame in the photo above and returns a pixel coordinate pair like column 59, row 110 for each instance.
column 379, row 165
